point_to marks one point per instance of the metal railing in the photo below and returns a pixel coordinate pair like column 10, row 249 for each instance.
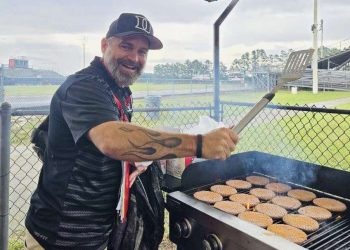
column 309, row 134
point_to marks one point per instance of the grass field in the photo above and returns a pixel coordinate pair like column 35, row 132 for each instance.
column 50, row 89
column 282, row 97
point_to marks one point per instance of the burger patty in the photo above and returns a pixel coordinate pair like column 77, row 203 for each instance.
column 330, row 204
column 272, row 210
column 301, row 195
column 278, row 187
column 286, row 202
column 208, row 196
column 288, row 232
column 230, row 207
column 257, row 180
column 315, row 212
column 302, row 222
column 239, row 184
column 224, row 190
column 245, row 199
column 262, row 193
column 262, row 220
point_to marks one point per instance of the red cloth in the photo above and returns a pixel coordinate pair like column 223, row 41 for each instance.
column 125, row 189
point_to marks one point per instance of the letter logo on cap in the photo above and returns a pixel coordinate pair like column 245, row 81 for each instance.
column 143, row 24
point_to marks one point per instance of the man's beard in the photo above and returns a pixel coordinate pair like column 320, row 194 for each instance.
column 123, row 79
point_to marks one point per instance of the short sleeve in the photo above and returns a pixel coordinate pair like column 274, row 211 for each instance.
column 86, row 104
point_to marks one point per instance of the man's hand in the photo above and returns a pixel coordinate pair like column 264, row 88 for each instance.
column 219, row 143
column 139, row 168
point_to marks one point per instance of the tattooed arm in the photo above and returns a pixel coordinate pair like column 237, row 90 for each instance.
column 125, row 141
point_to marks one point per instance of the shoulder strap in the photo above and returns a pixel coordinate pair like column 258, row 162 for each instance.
column 120, row 101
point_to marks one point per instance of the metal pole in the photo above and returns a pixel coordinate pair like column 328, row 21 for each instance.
column 4, row 174
column 322, row 48
column 217, row 58
column 2, row 89
column 315, row 57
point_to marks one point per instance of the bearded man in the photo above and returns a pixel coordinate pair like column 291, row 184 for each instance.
column 89, row 140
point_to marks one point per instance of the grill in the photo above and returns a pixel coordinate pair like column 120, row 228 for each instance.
column 196, row 225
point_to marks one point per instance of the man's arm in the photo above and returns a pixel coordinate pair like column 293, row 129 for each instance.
column 125, row 141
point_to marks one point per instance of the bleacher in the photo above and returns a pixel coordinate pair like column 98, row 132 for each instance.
column 327, row 80
column 18, row 76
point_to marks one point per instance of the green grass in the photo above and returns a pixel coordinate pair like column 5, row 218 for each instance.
column 306, row 97
column 15, row 244
column 50, row 89
column 16, row 241
column 30, row 90
column 282, row 97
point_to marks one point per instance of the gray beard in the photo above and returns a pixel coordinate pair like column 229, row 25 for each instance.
column 118, row 76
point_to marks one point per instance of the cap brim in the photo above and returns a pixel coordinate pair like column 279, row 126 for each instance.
column 154, row 42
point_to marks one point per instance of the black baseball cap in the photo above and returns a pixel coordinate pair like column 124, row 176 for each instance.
column 129, row 24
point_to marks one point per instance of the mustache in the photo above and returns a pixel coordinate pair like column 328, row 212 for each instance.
column 129, row 63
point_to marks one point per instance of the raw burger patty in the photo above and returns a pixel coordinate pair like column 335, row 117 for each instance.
column 262, row 193
column 245, row 199
column 288, row 232
column 224, row 190
column 278, row 187
column 207, row 196
column 239, row 184
column 330, row 204
column 257, row 180
column 272, row 210
column 286, row 202
column 317, row 213
column 302, row 222
column 301, row 195
column 262, row 220
column 230, row 207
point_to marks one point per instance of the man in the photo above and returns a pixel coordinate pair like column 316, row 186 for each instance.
column 74, row 205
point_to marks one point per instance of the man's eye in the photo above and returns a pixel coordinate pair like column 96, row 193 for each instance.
column 125, row 46
column 143, row 53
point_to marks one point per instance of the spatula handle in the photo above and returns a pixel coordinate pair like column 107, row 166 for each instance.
column 253, row 112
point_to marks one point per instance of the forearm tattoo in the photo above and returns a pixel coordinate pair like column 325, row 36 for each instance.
column 145, row 151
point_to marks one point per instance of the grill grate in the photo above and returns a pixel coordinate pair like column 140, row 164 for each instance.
column 333, row 233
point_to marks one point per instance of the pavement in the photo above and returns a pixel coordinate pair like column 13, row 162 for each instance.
column 332, row 103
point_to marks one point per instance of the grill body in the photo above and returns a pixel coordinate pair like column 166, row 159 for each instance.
column 196, row 225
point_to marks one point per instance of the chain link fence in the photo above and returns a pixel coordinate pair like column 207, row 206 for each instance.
column 309, row 134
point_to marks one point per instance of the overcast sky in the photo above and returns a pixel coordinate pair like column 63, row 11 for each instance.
column 51, row 33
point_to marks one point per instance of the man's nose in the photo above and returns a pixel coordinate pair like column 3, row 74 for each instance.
column 134, row 56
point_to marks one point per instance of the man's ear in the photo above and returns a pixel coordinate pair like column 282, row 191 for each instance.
column 104, row 45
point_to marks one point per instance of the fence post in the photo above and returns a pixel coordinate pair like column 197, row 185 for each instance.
column 4, row 173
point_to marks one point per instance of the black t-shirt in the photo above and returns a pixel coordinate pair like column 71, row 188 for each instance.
column 74, row 205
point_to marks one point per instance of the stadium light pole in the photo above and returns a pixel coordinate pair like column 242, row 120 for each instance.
column 218, row 22
column 315, row 56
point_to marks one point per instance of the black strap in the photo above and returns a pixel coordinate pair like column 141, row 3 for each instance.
column 121, row 98
column 199, row 146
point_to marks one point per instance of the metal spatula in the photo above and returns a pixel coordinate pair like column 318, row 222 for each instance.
column 293, row 70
